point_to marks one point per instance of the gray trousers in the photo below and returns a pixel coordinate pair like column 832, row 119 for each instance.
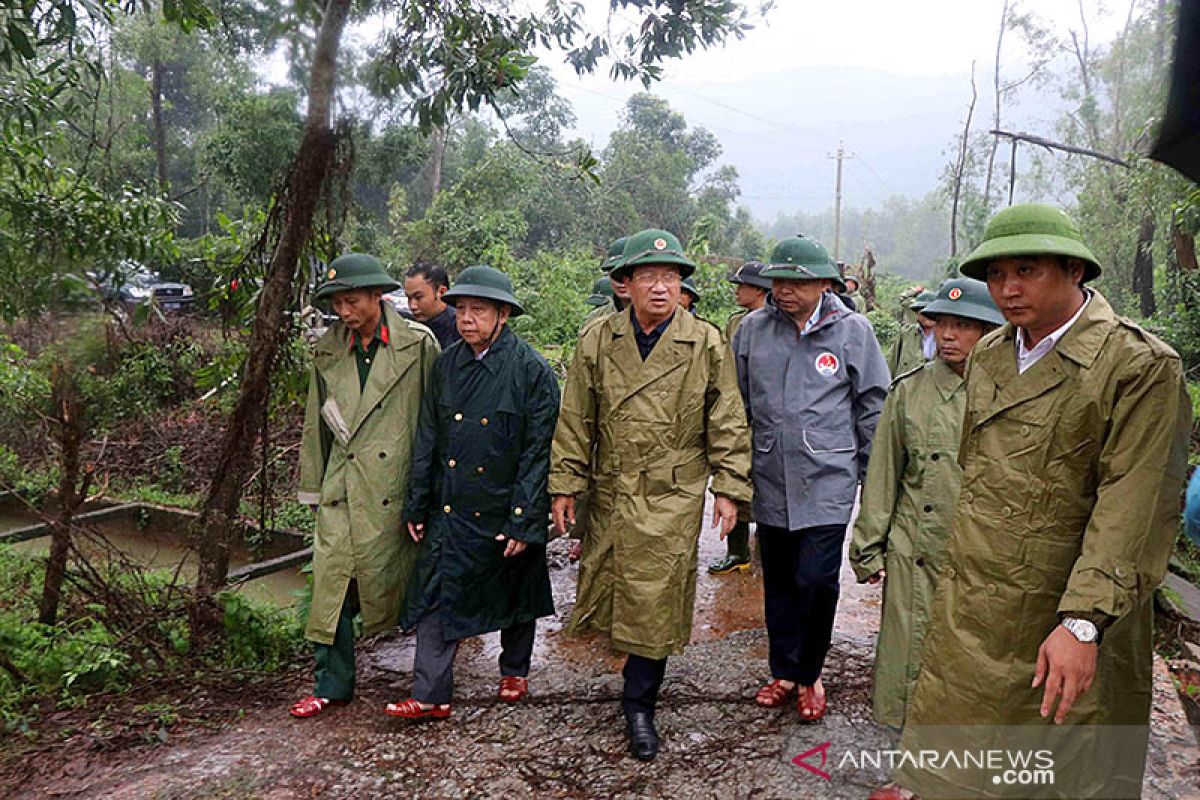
column 433, row 669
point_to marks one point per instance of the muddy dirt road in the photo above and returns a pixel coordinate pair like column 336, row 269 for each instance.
column 567, row 739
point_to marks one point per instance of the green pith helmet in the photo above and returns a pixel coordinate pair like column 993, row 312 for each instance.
column 750, row 274
column 652, row 246
column 965, row 297
column 1030, row 229
column 690, row 287
column 602, row 292
column 486, row 282
column 922, row 300
column 354, row 271
column 614, row 254
column 802, row 259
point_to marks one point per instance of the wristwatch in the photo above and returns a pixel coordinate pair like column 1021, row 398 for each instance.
column 1081, row 629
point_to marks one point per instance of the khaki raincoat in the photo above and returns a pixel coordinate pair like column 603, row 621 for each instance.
column 906, row 354
column 354, row 463
column 1069, row 505
column 661, row 427
column 908, row 501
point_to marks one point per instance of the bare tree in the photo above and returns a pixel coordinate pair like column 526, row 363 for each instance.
column 960, row 166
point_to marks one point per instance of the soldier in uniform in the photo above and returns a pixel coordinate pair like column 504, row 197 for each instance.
column 911, row 487
column 477, row 499
column 602, row 292
column 650, row 412
column 619, row 300
column 1074, row 451
column 369, row 372
column 813, row 380
column 752, row 293
column 915, row 344
column 689, row 296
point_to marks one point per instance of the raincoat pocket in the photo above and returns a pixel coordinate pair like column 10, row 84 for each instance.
column 764, row 441
column 819, row 442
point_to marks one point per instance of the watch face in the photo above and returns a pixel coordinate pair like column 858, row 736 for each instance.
column 1081, row 629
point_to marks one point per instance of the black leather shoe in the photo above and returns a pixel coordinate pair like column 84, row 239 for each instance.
column 643, row 738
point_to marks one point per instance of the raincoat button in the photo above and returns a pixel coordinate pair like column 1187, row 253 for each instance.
column 928, row 509
column 446, row 509
column 477, row 515
column 518, row 511
column 967, row 497
column 934, row 457
column 386, row 501
column 1024, row 430
column 991, row 588
column 333, row 503
column 480, row 470
column 452, row 463
column 383, row 455
column 1120, row 572
column 458, row 417
column 1007, row 511
column 350, row 457
column 483, row 422
column 949, row 573
column 920, row 562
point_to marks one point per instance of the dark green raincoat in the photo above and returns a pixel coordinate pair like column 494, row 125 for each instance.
column 479, row 469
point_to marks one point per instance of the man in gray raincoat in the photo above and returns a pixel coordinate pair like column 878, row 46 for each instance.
column 813, row 380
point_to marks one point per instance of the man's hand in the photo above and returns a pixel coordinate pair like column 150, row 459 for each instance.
column 877, row 577
column 514, row 547
column 1067, row 665
column 724, row 513
column 562, row 509
column 416, row 530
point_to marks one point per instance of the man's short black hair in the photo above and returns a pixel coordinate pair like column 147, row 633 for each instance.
column 434, row 274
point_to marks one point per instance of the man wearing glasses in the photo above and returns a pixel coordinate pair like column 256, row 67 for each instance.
column 653, row 394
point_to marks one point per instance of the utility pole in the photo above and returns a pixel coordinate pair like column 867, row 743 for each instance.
column 837, row 205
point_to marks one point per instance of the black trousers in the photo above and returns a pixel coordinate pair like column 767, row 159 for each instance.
column 800, row 592
column 643, row 678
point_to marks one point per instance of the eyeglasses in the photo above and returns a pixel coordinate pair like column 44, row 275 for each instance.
column 648, row 279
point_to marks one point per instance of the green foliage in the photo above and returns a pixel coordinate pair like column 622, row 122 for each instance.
column 886, row 326
column 553, row 287
column 258, row 635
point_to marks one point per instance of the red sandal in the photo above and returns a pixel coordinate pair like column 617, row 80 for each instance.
column 312, row 706
column 411, row 709
column 774, row 694
column 811, row 707
column 513, row 688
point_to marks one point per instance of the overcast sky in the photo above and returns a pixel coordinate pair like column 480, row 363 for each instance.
column 889, row 79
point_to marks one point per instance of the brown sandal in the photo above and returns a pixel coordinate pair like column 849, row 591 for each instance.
column 774, row 694
column 513, row 688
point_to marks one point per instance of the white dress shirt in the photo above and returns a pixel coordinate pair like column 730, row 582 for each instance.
column 1026, row 358
column 928, row 344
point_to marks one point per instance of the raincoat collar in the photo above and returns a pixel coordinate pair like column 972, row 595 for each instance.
column 947, row 381
column 1083, row 341
column 491, row 360
column 830, row 310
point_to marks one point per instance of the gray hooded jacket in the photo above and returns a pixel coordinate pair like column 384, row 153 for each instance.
column 812, row 401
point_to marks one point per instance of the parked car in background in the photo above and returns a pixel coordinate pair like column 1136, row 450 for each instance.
column 133, row 284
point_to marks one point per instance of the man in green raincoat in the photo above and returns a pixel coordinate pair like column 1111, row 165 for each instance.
column 618, row 300
column 1074, row 451
column 650, row 411
column 369, row 372
column 477, row 499
column 915, row 344
column 911, row 487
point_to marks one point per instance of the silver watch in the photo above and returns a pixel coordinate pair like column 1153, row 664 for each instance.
column 1081, row 629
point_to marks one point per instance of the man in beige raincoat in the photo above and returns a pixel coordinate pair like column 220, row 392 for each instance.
column 650, row 411
column 1074, row 450
column 369, row 372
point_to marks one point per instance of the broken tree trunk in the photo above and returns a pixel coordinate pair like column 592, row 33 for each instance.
column 70, row 429
column 218, row 522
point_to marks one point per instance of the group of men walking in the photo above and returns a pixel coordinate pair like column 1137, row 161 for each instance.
column 1018, row 485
